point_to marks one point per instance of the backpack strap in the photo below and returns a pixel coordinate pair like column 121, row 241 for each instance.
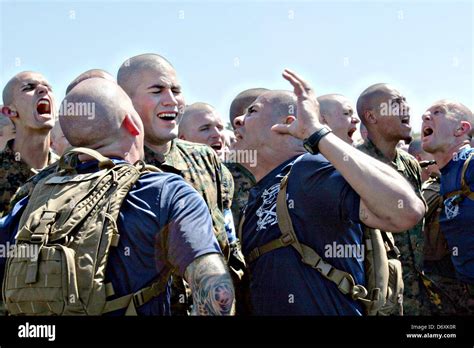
column 343, row 280
column 104, row 162
column 465, row 190
column 137, row 299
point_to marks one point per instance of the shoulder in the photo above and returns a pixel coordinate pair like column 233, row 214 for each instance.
column 406, row 157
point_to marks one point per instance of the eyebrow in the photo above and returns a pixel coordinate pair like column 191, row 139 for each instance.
column 157, row 85
column 35, row 83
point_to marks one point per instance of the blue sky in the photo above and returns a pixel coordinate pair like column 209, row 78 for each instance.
column 425, row 48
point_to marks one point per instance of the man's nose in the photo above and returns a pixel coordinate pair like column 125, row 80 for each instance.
column 168, row 98
column 355, row 120
column 426, row 116
column 42, row 89
column 239, row 121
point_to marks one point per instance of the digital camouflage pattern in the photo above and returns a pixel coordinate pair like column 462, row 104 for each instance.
column 450, row 296
column 14, row 173
column 410, row 243
column 243, row 182
column 199, row 165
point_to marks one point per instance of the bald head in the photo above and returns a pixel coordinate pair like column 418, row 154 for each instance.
column 88, row 75
column 109, row 103
column 128, row 76
column 192, row 112
column 371, row 98
column 337, row 112
column 458, row 110
column 243, row 100
column 9, row 88
column 281, row 103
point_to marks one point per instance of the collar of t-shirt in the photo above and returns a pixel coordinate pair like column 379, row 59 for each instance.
column 279, row 171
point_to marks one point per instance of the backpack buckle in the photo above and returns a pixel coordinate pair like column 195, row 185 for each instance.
column 323, row 267
column 41, row 232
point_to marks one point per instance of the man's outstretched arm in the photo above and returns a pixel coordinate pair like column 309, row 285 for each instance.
column 211, row 285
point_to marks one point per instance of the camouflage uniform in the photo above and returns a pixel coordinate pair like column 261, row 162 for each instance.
column 199, row 165
column 243, row 182
column 13, row 174
column 411, row 242
column 451, row 296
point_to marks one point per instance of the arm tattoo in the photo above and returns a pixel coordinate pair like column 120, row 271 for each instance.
column 211, row 285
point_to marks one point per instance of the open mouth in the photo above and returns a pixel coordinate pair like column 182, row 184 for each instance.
column 43, row 106
column 427, row 131
column 351, row 132
column 406, row 120
column 217, row 146
column 168, row 116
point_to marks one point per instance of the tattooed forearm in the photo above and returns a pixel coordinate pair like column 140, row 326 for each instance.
column 211, row 285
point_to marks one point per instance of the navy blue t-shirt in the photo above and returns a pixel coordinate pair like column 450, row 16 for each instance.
column 457, row 220
column 324, row 210
column 156, row 201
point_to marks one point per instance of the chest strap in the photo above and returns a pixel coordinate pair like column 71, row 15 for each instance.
column 343, row 280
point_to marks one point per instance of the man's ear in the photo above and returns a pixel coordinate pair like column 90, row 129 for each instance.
column 464, row 128
column 322, row 119
column 130, row 125
column 369, row 116
column 290, row 119
column 8, row 111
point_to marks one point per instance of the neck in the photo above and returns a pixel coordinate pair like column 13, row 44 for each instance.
column 387, row 147
column 162, row 149
column 32, row 147
column 266, row 162
column 444, row 157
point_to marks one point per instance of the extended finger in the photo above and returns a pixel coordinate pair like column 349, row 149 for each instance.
column 298, row 88
column 305, row 85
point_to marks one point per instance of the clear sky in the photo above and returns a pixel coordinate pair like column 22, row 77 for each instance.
column 219, row 48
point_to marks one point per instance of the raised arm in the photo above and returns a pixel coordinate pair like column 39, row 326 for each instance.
column 388, row 201
column 211, row 285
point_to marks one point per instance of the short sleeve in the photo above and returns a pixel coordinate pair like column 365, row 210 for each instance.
column 189, row 224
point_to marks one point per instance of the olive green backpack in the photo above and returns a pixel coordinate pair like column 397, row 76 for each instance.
column 383, row 293
column 64, row 240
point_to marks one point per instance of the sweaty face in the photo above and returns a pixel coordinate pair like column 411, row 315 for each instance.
column 160, row 104
column 393, row 115
column 33, row 100
column 437, row 129
column 206, row 127
column 342, row 120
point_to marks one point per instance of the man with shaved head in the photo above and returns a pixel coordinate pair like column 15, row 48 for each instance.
column 337, row 112
column 446, row 134
column 383, row 110
column 153, row 86
column 28, row 101
column 242, row 101
column 327, row 200
column 89, row 74
column 159, row 231
column 201, row 123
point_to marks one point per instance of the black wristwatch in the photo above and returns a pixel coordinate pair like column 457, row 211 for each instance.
column 311, row 143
